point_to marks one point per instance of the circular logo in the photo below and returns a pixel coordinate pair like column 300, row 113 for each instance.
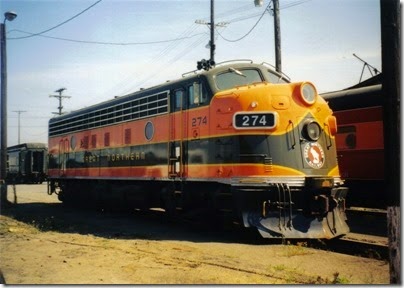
column 314, row 155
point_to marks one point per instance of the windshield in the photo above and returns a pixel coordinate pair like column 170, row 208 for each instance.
column 276, row 78
column 233, row 78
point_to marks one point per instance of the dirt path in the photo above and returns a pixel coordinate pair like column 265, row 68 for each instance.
column 43, row 242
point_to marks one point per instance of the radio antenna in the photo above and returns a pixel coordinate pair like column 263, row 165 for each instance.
column 370, row 67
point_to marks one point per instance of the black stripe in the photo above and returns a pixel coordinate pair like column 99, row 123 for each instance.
column 254, row 149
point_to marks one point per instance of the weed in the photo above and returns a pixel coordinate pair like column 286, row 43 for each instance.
column 339, row 280
column 294, row 250
column 280, row 267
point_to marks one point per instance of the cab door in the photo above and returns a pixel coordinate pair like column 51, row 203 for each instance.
column 177, row 134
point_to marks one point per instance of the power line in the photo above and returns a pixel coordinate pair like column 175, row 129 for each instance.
column 170, row 47
column 64, row 22
column 178, row 56
column 248, row 33
column 242, row 18
column 30, row 34
column 106, row 43
column 163, row 54
column 293, row 4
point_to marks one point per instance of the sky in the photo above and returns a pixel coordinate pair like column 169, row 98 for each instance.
column 116, row 47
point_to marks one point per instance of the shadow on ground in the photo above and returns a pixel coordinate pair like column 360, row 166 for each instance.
column 152, row 225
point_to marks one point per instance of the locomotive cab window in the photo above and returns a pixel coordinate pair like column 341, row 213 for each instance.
column 276, row 78
column 197, row 94
column 178, row 99
column 233, row 78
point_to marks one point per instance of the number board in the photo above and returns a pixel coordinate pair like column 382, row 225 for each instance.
column 252, row 120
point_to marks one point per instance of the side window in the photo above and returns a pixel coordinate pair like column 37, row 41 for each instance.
column 203, row 94
column 346, row 137
column 197, row 94
column 193, row 94
column 179, row 96
column 275, row 78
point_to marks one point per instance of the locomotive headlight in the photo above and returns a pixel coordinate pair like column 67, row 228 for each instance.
column 308, row 93
column 312, row 131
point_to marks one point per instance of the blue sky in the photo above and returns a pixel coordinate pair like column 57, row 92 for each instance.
column 318, row 39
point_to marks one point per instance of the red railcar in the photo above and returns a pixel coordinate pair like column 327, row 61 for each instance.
column 360, row 144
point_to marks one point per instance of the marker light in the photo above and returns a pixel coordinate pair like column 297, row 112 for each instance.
column 332, row 124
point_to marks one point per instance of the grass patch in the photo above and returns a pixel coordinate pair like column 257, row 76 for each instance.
column 339, row 279
column 300, row 248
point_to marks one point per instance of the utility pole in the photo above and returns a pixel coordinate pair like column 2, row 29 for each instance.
column 8, row 16
column 207, row 64
column 212, row 33
column 277, row 33
column 390, row 21
column 60, row 97
column 19, row 114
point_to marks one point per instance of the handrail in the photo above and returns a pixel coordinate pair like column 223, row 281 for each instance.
column 293, row 134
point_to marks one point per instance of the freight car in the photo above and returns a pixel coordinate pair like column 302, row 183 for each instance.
column 27, row 163
column 238, row 137
column 360, row 144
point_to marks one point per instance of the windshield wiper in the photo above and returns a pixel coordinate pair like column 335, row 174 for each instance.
column 231, row 69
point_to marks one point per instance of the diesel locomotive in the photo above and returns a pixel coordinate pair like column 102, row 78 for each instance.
column 239, row 137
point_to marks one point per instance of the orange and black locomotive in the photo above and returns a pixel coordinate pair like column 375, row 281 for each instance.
column 239, row 137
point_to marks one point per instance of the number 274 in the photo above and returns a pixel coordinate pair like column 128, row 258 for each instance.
column 254, row 120
column 199, row 121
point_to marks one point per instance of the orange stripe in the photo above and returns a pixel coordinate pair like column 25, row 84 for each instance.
column 190, row 171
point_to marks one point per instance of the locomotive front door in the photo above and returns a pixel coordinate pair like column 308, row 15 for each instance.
column 177, row 128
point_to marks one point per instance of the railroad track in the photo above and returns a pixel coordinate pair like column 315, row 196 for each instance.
column 368, row 236
column 368, row 246
column 367, row 221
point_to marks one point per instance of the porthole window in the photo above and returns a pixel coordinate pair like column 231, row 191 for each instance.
column 149, row 130
column 73, row 142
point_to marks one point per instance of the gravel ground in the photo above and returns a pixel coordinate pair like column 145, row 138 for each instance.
column 44, row 242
